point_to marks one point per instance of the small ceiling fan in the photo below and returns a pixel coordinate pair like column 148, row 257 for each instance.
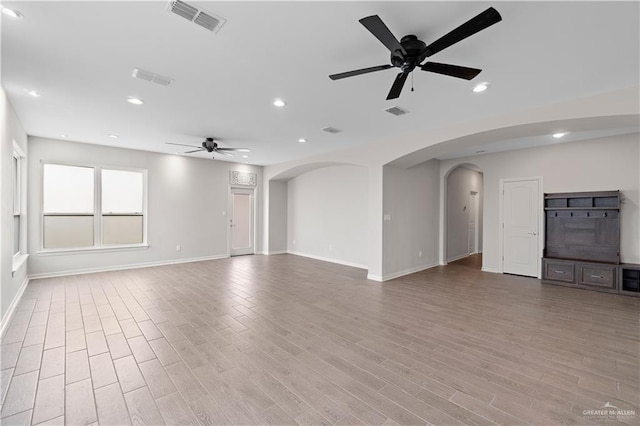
column 210, row 145
column 409, row 52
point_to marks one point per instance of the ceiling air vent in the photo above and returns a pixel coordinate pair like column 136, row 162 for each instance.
column 152, row 77
column 199, row 17
column 331, row 130
column 396, row 110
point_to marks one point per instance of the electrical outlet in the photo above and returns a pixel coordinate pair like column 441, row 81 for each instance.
column 294, row 242
column 178, row 247
column 420, row 253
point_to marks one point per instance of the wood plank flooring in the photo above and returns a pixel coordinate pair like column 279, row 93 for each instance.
column 287, row 340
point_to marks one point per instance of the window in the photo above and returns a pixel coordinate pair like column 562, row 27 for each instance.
column 16, row 172
column 122, row 202
column 68, row 206
column 91, row 207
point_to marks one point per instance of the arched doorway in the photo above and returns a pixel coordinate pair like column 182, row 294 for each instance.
column 463, row 219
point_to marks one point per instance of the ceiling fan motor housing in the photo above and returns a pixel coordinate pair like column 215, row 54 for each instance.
column 414, row 49
column 210, row 145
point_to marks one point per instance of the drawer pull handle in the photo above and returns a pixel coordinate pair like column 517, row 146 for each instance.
column 597, row 276
column 560, row 272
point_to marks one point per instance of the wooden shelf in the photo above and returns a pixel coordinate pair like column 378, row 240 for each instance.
column 582, row 241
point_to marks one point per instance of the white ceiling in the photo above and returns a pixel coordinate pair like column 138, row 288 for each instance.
column 80, row 55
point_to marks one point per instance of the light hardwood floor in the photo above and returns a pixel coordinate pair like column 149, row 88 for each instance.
column 289, row 340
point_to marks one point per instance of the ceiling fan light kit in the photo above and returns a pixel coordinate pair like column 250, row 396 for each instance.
column 410, row 52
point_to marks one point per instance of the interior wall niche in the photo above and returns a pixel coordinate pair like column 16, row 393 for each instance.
column 464, row 202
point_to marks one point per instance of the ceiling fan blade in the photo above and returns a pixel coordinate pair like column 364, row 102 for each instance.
column 181, row 144
column 398, row 84
column 451, row 70
column 469, row 28
column 228, row 154
column 378, row 28
column 234, row 149
column 195, row 150
column 360, row 71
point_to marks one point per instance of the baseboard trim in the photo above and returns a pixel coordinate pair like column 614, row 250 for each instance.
column 492, row 270
column 377, row 278
column 328, row 259
column 6, row 319
column 269, row 253
column 125, row 267
column 410, row 271
column 454, row 258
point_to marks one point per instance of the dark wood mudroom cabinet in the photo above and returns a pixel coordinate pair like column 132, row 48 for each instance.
column 582, row 241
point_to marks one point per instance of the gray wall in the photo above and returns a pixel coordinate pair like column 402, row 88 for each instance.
column 186, row 201
column 411, row 200
column 10, row 130
column 595, row 165
column 460, row 183
column 277, row 216
column 327, row 214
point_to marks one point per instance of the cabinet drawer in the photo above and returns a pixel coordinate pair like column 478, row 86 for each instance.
column 557, row 271
column 596, row 275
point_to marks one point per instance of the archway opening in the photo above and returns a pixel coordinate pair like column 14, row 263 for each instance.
column 463, row 218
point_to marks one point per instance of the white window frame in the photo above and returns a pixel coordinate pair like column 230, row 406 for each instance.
column 97, row 211
column 18, row 201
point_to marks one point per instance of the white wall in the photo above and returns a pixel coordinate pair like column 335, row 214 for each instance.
column 327, row 214
column 459, row 185
column 10, row 130
column 277, row 216
column 411, row 202
column 186, row 200
column 595, row 165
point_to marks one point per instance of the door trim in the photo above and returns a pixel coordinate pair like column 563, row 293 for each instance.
column 473, row 207
column 501, row 221
column 229, row 217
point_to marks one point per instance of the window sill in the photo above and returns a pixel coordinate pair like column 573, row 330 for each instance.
column 84, row 250
column 18, row 261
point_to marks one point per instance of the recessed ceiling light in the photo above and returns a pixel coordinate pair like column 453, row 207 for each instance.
column 481, row 87
column 279, row 102
column 559, row 135
column 302, row 140
column 135, row 101
column 113, row 136
column 11, row 13
column 64, row 136
column 32, row 92
column 245, row 156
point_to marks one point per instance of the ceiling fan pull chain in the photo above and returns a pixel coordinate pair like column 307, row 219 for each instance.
column 412, row 82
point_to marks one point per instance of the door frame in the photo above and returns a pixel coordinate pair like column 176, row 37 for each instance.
column 502, row 181
column 252, row 191
column 475, row 207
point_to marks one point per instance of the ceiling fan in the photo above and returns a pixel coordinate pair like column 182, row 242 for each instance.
column 409, row 52
column 210, row 145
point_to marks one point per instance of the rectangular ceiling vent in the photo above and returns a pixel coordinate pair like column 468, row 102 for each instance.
column 396, row 110
column 199, row 17
column 152, row 77
column 331, row 130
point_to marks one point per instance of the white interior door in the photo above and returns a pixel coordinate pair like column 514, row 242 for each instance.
column 473, row 215
column 241, row 221
column 521, row 210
